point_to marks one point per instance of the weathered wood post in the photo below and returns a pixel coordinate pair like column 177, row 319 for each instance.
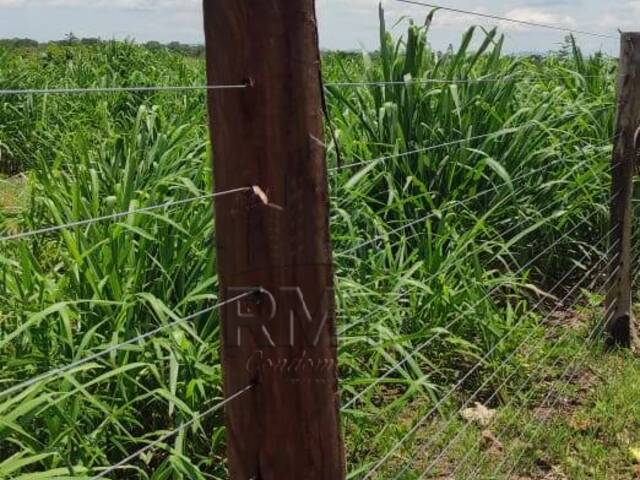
column 621, row 325
column 283, row 340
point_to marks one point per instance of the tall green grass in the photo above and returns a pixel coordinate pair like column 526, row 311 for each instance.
column 489, row 207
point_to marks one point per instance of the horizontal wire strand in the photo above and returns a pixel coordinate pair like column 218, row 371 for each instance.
column 497, row 134
column 449, row 206
column 511, row 20
column 447, row 81
column 142, row 210
column 505, row 382
column 434, row 408
column 113, row 348
column 123, row 214
column 606, row 283
column 457, row 262
column 432, row 277
column 170, row 434
column 528, row 397
column 90, row 90
column 115, row 216
column 179, row 88
column 422, row 150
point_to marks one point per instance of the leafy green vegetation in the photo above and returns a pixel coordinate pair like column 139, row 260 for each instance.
column 489, row 191
column 567, row 416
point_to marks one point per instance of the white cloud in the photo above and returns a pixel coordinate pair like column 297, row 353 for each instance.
column 113, row 4
column 610, row 21
column 536, row 16
column 359, row 7
column 634, row 5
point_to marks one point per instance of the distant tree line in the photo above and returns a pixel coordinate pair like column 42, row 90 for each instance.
column 192, row 50
column 71, row 40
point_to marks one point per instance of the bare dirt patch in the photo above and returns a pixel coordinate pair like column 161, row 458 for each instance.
column 13, row 193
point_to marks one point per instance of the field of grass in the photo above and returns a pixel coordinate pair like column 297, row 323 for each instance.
column 445, row 258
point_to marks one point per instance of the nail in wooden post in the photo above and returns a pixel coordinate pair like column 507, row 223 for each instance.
column 621, row 325
column 282, row 339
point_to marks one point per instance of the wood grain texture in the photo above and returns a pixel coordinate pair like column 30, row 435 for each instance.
column 283, row 340
column 621, row 326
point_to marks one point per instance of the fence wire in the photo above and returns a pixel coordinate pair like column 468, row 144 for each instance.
column 191, row 88
column 474, row 368
column 123, row 214
column 485, row 136
column 593, row 335
column 560, row 304
column 548, row 26
column 139, row 89
column 163, row 438
column 160, row 441
column 459, row 317
column 113, row 348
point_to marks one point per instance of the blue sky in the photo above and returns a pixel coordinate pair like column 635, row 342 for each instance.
column 345, row 24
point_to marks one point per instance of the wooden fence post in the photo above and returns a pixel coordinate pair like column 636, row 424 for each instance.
column 269, row 135
column 621, row 325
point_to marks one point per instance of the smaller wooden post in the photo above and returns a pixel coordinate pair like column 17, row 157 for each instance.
column 621, row 325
